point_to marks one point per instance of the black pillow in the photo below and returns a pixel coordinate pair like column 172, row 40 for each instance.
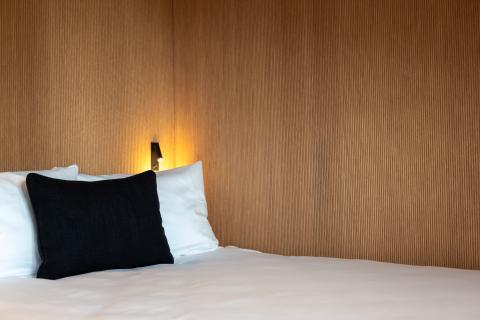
column 93, row 226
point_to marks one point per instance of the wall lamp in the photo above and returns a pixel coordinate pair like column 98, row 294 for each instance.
column 156, row 156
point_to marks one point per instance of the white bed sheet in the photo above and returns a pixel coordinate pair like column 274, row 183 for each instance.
column 231, row 283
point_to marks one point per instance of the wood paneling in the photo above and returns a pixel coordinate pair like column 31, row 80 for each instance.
column 87, row 82
column 335, row 128
column 11, row 109
column 338, row 128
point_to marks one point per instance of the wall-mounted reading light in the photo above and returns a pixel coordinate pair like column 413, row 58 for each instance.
column 156, row 156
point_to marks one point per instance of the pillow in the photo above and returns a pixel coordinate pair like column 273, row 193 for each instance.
column 18, row 249
column 183, row 208
column 93, row 226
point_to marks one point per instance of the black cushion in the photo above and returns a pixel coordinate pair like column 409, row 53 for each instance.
column 93, row 226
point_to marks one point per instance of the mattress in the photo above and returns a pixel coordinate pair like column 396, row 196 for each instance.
column 232, row 283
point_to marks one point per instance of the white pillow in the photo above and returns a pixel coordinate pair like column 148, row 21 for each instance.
column 18, row 241
column 183, row 208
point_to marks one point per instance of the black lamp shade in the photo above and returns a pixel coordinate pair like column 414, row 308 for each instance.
column 156, row 155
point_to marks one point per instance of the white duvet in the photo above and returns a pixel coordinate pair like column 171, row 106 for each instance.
column 232, row 283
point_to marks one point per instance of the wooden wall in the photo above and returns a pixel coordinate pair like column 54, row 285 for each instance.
column 346, row 128
column 337, row 128
column 87, row 82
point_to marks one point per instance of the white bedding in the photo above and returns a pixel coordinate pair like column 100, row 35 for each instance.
column 231, row 283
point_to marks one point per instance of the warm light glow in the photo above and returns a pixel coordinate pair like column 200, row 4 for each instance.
column 182, row 153
column 163, row 165
column 185, row 151
column 143, row 157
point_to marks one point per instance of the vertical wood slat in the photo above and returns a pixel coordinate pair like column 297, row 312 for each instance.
column 87, row 82
column 335, row 128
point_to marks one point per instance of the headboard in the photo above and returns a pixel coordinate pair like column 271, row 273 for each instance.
column 335, row 128
column 329, row 128
column 87, row 82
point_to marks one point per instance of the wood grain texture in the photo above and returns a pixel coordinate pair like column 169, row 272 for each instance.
column 11, row 110
column 337, row 128
column 87, row 82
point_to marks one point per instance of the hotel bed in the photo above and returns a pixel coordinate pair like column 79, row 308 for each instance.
column 231, row 283
column 110, row 242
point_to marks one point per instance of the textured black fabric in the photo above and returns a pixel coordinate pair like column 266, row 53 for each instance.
column 93, row 226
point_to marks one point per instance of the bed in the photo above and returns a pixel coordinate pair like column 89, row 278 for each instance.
column 110, row 242
column 231, row 283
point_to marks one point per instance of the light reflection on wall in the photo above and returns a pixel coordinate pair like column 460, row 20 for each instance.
column 185, row 149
